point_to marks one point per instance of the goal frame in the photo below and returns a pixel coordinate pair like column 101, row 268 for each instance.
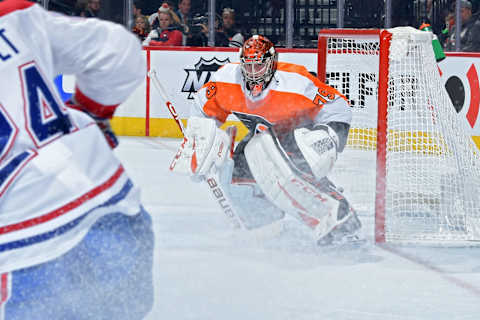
column 381, row 152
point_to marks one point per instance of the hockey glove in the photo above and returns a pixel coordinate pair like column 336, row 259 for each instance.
column 104, row 125
column 100, row 113
column 205, row 148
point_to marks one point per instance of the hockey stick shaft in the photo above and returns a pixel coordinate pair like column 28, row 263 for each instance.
column 163, row 93
column 212, row 180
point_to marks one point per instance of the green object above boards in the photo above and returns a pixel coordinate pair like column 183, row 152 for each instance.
column 437, row 47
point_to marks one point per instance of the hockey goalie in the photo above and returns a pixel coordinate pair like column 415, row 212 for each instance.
column 297, row 126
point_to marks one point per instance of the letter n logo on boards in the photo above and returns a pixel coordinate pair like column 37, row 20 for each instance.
column 201, row 74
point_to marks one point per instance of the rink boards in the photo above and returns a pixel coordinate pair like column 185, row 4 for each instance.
column 183, row 70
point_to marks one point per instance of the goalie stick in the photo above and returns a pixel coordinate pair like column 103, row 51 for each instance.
column 212, row 180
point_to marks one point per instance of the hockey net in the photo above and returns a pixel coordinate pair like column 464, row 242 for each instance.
column 413, row 162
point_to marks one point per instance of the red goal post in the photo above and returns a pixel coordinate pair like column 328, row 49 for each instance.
column 427, row 169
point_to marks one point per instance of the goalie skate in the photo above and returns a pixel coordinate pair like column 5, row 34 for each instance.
column 348, row 228
column 347, row 232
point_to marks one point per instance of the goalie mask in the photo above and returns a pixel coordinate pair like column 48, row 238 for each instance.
column 258, row 60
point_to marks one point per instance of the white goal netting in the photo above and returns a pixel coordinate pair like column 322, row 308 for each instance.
column 427, row 187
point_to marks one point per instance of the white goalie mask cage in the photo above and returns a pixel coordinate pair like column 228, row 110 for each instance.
column 258, row 61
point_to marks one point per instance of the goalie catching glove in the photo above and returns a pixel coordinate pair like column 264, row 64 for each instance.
column 205, row 148
column 318, row 147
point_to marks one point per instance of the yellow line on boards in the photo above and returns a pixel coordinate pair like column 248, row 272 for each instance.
column 160, row 127
column 164, row 127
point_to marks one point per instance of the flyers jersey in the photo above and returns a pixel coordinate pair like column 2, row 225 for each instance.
column 292, row 97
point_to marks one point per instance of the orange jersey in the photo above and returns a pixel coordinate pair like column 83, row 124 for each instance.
column 292, row 97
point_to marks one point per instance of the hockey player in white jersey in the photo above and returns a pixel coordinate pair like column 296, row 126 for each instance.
column 297, row 126
column 75, row 242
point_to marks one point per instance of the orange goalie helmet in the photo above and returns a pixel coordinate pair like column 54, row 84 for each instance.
column 258, row 60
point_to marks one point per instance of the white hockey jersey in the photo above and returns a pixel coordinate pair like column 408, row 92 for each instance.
column 57, row 173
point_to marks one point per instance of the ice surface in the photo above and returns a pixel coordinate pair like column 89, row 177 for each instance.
column 204, row 270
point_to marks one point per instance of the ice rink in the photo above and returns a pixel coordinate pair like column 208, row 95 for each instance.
column 205, row 270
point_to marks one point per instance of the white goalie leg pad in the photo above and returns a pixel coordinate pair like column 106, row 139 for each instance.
column 318, row 147
column 204, row 148
column 286, row 190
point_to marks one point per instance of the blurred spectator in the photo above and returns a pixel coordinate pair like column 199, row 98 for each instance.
column 165, row 34
column 243, row 8
column 273, row 8
column 447, row 29
column 426, row 10
column 137, row 10
column 141, row 27
column 184, row 12
column 198, row 32
column 229, row 35
column 470, row 30
column 88, row 8
column 198, row 36
column 80, row 7
column 153, row 19
column 93, row 9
